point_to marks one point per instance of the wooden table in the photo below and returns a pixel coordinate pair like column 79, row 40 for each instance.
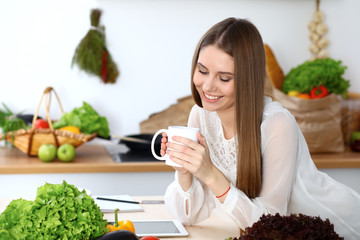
column 218, row 227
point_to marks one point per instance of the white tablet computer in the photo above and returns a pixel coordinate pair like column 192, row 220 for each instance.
column 159, row 228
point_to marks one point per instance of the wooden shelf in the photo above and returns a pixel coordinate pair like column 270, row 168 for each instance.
column 95, row 159
column 89, row 159
column 346, row 159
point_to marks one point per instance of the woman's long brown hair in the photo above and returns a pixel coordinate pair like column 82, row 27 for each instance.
column 241, row 39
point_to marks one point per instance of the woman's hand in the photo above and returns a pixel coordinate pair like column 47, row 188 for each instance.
column 193, row 156
column 195, row 159
column 164, row 140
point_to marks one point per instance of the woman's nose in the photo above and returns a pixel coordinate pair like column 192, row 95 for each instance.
column 209, row 84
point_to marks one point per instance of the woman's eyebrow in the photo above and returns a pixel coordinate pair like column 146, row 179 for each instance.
column 200, row 65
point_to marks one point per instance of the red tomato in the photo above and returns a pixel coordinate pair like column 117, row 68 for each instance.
column 149, row 238
column 40, row 123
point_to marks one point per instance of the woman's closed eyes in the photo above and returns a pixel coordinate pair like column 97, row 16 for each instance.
column 223, row 76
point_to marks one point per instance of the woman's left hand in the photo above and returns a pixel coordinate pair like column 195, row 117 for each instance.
column 193, row 156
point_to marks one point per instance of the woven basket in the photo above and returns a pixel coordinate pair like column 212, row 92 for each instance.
column 30, row 140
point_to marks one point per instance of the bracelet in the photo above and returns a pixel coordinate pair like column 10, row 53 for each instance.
column 224, row 193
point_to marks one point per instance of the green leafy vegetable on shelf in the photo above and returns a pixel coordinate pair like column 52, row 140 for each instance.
column 326, row 72
column 59, row 211
column 9, row 122
column 85, row 118
column 13, row 123
column 4, row 114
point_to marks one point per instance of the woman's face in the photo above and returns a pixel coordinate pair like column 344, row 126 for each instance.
column 214, row 79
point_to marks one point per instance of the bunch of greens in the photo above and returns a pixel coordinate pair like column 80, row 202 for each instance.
column 92, row 55
column 60, row 211
column 326, row 72
column 293, row 227
column 85, row 118
column 9, row 122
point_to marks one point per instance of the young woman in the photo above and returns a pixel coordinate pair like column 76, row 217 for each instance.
column 252, row 158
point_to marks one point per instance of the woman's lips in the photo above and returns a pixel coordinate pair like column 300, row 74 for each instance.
column 210, row 98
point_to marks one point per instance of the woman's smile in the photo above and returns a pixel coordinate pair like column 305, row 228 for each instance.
column 211, row 98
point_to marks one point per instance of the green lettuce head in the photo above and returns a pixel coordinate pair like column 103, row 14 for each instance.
column 59, row 211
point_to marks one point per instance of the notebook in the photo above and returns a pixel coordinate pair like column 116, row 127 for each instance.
column 110, row 206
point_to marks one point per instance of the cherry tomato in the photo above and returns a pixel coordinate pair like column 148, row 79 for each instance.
column 41, row 123
column 149, row 238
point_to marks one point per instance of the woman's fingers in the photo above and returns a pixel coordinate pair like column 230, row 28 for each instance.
column 183, row 142
column 201, row 139
column 163, row 147
column 184, row 148
column 186, row 166
column 188, row 158
column 162, row 151
column 179, row 155
column 186, row 152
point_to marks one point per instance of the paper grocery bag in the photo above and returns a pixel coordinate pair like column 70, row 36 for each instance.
column 318, row 119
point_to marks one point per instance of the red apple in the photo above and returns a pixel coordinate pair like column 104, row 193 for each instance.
column 41, row 123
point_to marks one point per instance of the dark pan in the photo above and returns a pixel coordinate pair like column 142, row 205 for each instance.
column 142, row 147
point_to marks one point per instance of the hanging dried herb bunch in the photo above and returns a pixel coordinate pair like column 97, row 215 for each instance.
column 92, row 56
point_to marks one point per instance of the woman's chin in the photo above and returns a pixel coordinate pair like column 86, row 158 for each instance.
column 209, row 107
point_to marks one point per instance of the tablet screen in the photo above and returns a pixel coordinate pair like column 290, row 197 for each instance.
column 159, row 228
column 155, row 227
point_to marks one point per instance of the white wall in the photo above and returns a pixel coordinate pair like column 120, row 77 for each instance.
column 152, row 42
column 134, row 184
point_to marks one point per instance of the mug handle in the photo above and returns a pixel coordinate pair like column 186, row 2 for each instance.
column 153, row 144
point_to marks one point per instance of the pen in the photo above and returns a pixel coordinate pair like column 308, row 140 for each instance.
column 117, row 200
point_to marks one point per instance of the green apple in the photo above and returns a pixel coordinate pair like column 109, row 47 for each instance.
column 47, row 152
column 66, row 152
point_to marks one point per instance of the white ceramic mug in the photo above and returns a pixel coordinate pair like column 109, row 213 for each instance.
column 181, row 131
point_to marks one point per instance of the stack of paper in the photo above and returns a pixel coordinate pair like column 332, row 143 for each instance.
column 110, row 206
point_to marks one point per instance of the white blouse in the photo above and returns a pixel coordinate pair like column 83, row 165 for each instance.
column 291, row 182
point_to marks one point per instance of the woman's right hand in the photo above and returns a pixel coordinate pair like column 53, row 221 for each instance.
column 164, row 140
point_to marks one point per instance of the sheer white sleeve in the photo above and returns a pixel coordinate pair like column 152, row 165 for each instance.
column 199, row 197
column 279, row 150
